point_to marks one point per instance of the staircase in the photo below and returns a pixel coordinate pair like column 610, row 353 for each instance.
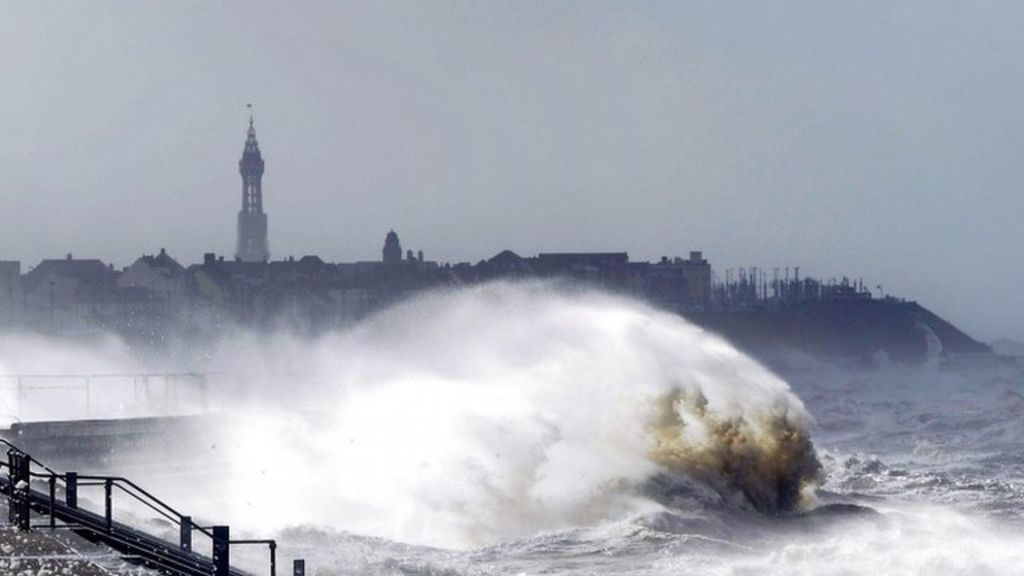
column 32, row 490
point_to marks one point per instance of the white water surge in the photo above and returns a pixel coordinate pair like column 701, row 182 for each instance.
column 498, row 412
column 530, row 428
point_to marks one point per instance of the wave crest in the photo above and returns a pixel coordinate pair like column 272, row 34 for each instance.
column 770, row 461
column 496, row 412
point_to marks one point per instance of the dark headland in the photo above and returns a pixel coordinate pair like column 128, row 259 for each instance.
column 866, row 330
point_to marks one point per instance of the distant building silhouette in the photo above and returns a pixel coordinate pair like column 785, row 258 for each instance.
column 68, row 294
column 392, row 249
column 160, row 275
column 11, row 304
column 252, row 221
column 156, row 294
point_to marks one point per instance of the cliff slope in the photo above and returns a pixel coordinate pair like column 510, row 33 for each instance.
column 857, row 329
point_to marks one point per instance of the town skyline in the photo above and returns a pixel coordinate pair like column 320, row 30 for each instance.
column 756, row 279
column 879, row 147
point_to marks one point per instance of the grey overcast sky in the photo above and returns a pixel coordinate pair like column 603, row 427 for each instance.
column 877, row 139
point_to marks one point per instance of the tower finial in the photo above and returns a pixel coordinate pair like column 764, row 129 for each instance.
column 249, row 106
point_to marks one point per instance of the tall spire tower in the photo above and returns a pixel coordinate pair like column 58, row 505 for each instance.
column 252, row 221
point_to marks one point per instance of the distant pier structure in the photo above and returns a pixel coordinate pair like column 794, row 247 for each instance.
column 252, row 220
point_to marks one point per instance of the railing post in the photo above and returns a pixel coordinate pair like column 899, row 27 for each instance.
column 204, row 392
column 298, row 567
column 71, row 489
column 221, row 550
column 18, row 501
column 53, row 501
column 12, row 481
column 171, row 391
column 186, row 533
column 108, row 507
column 273, row 558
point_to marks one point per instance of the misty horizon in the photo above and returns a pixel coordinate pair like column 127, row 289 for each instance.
column 837, row 139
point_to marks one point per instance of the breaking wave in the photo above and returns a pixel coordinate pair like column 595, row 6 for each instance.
column 497, row 412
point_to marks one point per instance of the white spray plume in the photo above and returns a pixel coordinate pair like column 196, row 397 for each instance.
column 475, row 416
column 44, row 364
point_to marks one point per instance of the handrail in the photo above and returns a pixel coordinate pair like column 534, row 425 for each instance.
column 173, row 383
column 168, row 512
column 170, row 517
column 140, row 489
column 29, row 456
column 271, row 544
column 118, row 479
column 104, row 524
column 114, row 375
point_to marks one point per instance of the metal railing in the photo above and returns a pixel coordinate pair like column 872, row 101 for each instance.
column 142, row 384
column 152, row 550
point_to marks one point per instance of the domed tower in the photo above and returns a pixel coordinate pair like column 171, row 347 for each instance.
column 252, row 221
column 392, row 249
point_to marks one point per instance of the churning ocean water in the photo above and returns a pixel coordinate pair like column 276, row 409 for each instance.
column 922, row 473
column 584, row 434
column 536, row 429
